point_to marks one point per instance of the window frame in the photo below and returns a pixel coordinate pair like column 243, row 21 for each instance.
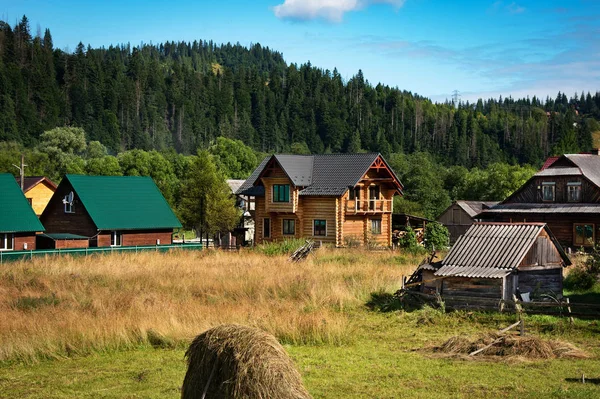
column 553, row 186
column 68, row 206
column 315, row 227
column 573, row 185
column 266, row 221
column 291, row 222
column 584, row 244
column 376, row 223
column 116, row 238
column 5, row 239
column 277, row 193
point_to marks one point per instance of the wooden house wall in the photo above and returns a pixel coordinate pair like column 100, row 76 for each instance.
column 24, row 238
column 40, row 196
column 271, row 206
column 55, row 220
column 319, row 207
column 541, row 281
column 131, row 238
column 542, row 254
column 531, row 194
column 456, row 220
column 490, row 288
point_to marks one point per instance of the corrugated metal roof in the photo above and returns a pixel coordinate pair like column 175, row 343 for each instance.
column 474, row 208
column 544, row 208
column 549, row 162
column 64, row 236
column 326, row 174
column 16, row 215
column 559, row 172
column 123, row 202
column 589, row 165
column 497, row 247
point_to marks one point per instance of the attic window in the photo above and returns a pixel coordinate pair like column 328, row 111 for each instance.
column 548, row 191
column 574, row 192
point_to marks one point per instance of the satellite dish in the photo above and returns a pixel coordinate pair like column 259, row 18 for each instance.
column 70, row 198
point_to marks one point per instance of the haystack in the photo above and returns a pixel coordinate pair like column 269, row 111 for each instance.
column 529, row 347
column 234, row 361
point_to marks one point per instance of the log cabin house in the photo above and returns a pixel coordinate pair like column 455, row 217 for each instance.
column 459, row 216
column 18, row 222
column 341, row 199
column 565, row 195
column 112, row 211
column 38, row 190
column 494, row 261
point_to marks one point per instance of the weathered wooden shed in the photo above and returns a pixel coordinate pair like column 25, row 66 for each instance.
column 459, row 216
column 498, row 260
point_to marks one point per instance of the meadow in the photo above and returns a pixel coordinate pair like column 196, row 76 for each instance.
column 118, row 325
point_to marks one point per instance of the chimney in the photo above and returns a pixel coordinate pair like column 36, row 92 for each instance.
column 595, row 151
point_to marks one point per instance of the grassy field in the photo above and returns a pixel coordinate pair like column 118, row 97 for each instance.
column 117, row 326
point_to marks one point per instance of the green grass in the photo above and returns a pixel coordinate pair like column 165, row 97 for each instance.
column 388, row 358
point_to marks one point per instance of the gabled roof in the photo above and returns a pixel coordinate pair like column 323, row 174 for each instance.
column 32, row 181
column 16, row 215
column 123, row 202
column 549, row 162
column 589, row 164
column 234, row 184
column 474, row 208
column 493, row 250
column 326, row 174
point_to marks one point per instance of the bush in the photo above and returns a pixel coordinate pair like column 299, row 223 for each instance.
column 436, row 236
column 409, row 239
column 285, row 247
column 579, row 279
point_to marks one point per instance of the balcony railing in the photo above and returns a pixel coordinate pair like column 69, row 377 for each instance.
column 369, row 206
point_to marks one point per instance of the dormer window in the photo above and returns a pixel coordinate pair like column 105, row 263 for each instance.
column 574, row 192
column 548, row 191
column 281, row 193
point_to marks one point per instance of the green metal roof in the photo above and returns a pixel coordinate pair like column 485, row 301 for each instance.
column 123, row 202
column 16, row 215
column 64, row 236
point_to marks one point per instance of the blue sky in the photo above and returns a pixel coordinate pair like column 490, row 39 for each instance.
column 482, row 48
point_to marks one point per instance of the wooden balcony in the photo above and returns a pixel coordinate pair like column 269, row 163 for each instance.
column 369, row 206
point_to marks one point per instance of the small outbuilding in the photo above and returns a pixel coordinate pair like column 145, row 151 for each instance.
column 38, row 190
column 495, row 261
column 18, row 222
column 109, row 210
column 459, row 216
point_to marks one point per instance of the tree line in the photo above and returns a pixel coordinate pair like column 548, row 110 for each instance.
column 182, row 96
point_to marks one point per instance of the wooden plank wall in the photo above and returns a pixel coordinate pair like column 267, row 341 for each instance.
column 55, row 220
column 531, row 194
column 472, row 287
column 40, row 196
column 541, row 281
column 543, row 254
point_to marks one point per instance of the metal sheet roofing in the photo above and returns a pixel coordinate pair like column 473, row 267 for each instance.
column 326, row 174
column 543, row 208
column 474, row 208
column 492, row 250
column 64, row 236
column 559, row 172
column 123, row 202
column 16, row 215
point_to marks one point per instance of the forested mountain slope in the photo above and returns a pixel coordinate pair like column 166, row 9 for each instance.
column 184, row 95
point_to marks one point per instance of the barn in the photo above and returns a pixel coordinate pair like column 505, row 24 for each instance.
column 494, row 261
column 459, row 216
column 111, row 211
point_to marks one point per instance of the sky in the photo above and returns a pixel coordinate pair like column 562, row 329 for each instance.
column 481, row 48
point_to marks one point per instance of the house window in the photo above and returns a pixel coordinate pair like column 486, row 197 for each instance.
column 574, row 192
column 7, row 242
column 375, row 226
column 68, row 203
column 319, row 227
column 116, row 238
column 289, row 227
column 583, row 234
column 548, row 192
column 281, row 193
column 355, row 193
column 266, row 228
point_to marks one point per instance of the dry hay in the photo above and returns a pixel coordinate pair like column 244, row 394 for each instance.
column 234, row 361
column 528, row 347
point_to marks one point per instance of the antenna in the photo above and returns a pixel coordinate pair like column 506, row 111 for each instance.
column 70, row 199
column 455, row 96
column 21, row 171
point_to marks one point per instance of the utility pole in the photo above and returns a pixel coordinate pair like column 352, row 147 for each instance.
column 21, row 171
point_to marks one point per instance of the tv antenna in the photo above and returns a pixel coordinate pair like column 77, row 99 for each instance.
column 68, row 199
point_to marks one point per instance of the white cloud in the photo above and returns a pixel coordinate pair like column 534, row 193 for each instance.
column 330, row 10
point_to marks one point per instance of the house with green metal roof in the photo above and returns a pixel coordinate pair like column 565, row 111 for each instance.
column 18, row 223
column 110, row 211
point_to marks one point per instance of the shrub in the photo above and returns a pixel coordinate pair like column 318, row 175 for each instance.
column 436, row 236
column 409, row 239
column 579, row 279
column 285, row 247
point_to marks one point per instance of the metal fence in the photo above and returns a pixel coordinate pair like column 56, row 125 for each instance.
column 10, row 256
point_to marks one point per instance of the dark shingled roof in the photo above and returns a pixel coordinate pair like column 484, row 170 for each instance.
column 32, row 181
column 327, row 174
column 16, row 215
column 493, row 250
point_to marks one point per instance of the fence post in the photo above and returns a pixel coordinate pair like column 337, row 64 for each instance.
column 569, row 310
column 522, row 328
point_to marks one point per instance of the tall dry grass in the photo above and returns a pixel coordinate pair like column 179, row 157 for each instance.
column 57, row 307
